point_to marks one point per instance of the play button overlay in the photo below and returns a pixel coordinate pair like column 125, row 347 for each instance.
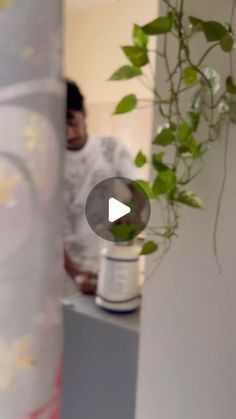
column 117, row 209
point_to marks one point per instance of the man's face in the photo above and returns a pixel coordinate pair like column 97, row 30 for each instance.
column 76, row 130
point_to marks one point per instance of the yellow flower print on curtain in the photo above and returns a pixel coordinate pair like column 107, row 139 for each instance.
column 31, row 133
column 7, row 185
column 14, row 357
column 3, row 4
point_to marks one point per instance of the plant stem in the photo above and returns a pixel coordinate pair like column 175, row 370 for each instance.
column 220, row 198
column 225, row 170
column 206, row 53
column 146, row 85
column 156, row 52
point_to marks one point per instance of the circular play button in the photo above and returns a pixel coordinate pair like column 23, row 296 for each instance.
column 117, row 209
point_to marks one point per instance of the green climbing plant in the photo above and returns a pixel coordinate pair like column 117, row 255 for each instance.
column 187, row 132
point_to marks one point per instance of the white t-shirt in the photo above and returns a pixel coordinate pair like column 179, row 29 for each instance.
column 102, row 157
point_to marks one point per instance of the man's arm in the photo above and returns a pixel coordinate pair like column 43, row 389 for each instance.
column 70, row 266
column 125, row 166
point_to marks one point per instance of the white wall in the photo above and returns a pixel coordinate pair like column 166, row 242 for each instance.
column 93, row 37
column 94, row 32
column 188, row 344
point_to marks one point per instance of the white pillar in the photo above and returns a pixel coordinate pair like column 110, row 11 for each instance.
column 31, row 144
column 188, row 336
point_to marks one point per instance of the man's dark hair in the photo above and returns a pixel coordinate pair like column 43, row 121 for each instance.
column 75, row 99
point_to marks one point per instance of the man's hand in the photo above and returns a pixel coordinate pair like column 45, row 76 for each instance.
column 87, row 282
column 70, row 266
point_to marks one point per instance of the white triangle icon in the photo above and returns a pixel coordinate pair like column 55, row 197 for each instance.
column 117, row 210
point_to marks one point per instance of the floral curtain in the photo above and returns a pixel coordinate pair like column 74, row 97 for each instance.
column 31, row 144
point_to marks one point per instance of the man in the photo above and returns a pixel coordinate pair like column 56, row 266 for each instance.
column 89, row 160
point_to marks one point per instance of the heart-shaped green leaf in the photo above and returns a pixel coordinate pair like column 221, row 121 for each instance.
column 212, row 79
column 184, row 132
column 189, row 76
column 189, row 198
column 186, row 139
column 227, row 42
column 138, row 56
column 140, row 159
column 125, row 72
column 147, row 188
column 195, row 119
column 157, row 162
column 162, row 24
column 127, row 104
column 139, row 37
column 164, row 183
column 149, row 247
column 230, row 86
column 165, row 137
column 196, row 23
column 125, row 232
column 214, row 31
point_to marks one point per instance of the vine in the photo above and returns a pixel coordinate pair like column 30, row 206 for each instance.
column 187, row 133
